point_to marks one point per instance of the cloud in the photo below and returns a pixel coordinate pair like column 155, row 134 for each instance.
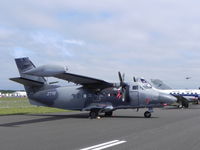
column 21, row 52
column 53, row 44
column 155, row 39
column 75, row 42
column 5, row 33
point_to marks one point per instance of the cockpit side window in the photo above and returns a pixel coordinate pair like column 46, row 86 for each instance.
column 135, row 87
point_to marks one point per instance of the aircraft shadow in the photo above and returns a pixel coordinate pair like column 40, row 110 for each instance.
column 46, row 119
column 51, row 117
column 190, row 107
column 85, row 116
column 133, row 117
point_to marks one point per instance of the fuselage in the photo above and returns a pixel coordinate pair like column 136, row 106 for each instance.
column 80, row 98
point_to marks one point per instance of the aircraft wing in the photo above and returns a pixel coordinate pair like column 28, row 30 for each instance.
column 88, row 82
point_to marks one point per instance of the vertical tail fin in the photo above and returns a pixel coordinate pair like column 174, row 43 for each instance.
column 32, row 83
column 23, row 65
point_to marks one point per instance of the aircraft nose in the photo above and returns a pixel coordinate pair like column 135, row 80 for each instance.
column 167, row 99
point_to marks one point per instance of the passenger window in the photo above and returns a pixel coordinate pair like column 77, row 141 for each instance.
column 135, row 87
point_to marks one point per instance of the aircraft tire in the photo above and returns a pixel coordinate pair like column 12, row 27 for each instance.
column 94, row 114
column 147, row 114
column 108, row 114
column 185, row 105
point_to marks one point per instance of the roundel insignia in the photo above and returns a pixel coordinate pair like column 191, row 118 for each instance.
column 147, row 100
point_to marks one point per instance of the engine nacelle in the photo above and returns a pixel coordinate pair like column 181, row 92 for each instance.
column 47, row 70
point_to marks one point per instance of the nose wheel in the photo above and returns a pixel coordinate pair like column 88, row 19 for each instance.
column 147, row 114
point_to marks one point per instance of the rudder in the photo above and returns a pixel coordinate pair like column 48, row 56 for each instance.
column 25, row 64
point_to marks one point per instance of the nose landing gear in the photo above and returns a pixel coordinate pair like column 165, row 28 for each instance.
column 147, row 114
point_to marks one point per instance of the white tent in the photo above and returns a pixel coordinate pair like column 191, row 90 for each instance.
column 19, row 94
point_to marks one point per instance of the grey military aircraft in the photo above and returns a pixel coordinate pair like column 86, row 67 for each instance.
column 89, row 94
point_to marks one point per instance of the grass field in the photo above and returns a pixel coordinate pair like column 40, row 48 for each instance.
column 12, row 106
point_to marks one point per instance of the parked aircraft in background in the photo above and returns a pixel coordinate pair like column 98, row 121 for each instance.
column 90, row 94
column 184, row 96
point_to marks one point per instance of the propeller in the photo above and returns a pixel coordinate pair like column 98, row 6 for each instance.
column 121, row 79
column 134, row 79
column 123, row 85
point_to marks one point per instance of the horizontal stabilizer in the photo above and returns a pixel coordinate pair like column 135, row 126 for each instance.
column 27, row 82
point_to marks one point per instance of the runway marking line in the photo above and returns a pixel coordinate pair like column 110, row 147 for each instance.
column 104, row 145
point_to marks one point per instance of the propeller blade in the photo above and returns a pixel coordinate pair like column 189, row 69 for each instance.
column 120, row 77
column 124, row 87
column 123, row 77
column 134, row 79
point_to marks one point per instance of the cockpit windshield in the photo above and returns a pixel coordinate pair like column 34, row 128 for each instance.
column 145, row 84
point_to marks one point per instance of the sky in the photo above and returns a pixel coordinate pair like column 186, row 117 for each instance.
column 151, row 39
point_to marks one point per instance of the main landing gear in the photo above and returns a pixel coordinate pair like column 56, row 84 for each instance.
column 185, row 104
column 94, row 113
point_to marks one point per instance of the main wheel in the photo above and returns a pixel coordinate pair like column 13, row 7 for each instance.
column 108, row 114
column 93, row 114
column 197, row 102
column 147, row 114
column 185, row 104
